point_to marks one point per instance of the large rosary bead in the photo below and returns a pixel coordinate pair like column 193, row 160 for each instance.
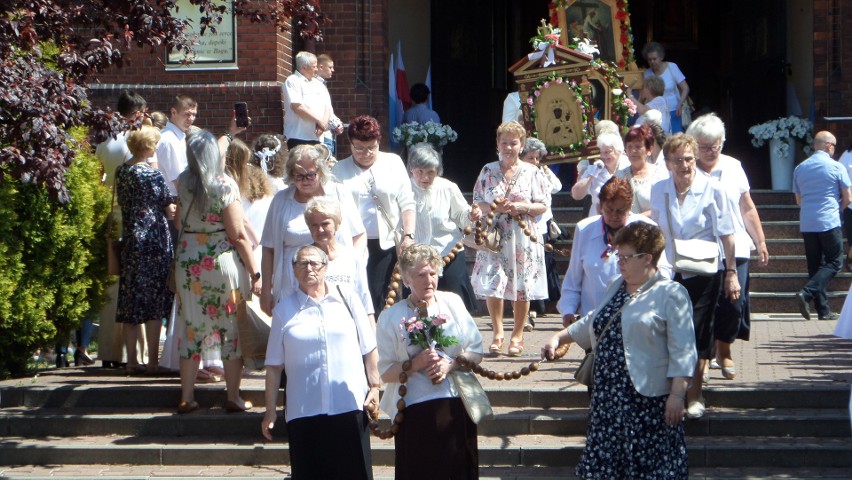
column 394, row 285
column 397, row 277
column 525, row 371
column 400, row 404
column 398, row 418
column 467, row 231
column 534, row 367
column 499, row 376
column 389, row 302
column 523, row 225
column 403, row 377
column 392, row 294
column 394, row 430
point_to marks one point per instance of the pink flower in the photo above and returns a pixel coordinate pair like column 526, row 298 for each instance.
column 418, row 325
column 207, row 263
column 196, row 357
column 529, row 101
column 559, row 80
column 195, row 270
column 230, row 307
column 212, row 311
column 546, row 84
column 212, row 217
column 440, row 319
column 537, row 93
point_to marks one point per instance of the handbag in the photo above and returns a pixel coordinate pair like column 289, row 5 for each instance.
column 172, row 280
column 693, row 256
column 492, row 242
column 686, row 110
column 473, row 396
column 253, row 327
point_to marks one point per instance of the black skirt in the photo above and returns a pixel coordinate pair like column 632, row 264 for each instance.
column 437, row 441
column 315, row 441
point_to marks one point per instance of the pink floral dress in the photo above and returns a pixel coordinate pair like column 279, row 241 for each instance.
column 208, row 277
column 517, row 272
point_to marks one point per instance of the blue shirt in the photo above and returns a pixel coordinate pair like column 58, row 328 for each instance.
column 819, row 180
column 420, row 113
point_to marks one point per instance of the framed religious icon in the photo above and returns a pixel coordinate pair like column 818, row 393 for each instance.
column 605, row 22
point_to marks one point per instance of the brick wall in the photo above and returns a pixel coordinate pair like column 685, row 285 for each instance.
column 356, row 39
column 833, row 67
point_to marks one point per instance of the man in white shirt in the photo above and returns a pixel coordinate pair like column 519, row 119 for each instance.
column 114, row 151
column 325, row 69
column 307, row 105
column 171, row 152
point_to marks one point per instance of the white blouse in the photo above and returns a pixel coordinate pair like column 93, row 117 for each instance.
column 705, row 213
column 394, row 349
column 730, row 174
column 321, row 347
column 441, row 213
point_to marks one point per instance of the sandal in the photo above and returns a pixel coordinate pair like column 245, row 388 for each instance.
column 496, row 346
column 135, row 369
column 186, row 407
column 516, row 348
column 729, row 372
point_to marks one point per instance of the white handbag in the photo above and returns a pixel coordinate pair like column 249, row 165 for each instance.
column 693, row 256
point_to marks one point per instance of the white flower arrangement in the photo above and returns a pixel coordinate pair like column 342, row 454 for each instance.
column 413, row 133
column 784, row 129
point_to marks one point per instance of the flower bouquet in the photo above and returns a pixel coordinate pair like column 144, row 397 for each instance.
column 783, row 129
column 425, row 331
column 437, row 134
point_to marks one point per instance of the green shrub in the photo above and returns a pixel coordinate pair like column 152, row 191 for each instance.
column 52, row 259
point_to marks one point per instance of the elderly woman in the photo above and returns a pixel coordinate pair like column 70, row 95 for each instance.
column 676, row 90
column 643, row 340
column 534, row 150
column 209, row 270
column 516, row 272
column 641, row 173
column 597, row 174
column 732, row 316
column 442, row 212
column 385, row 202
column 345, row 267
column 435, row 417
column 322, row 339
column 285, row 229
column 592, row 263
column 146, row 206
column 692, row 206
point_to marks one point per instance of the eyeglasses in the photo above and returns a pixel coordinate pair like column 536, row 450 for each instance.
column 710, row 148
column 682, row 160
column 309, row 263
column 307, row 176
column 370, row 149
column 624, row 258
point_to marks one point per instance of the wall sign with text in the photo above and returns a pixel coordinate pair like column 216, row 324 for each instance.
column 213, row 51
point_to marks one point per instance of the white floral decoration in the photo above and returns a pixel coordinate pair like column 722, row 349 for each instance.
column 783, row 129
column 413, row 133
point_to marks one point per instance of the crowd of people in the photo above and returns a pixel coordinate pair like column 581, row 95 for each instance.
column 349, row 258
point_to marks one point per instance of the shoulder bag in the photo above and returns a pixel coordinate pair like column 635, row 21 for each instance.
column 693, row 256
column 113, row 246
column 172, row 281
column 473, row 396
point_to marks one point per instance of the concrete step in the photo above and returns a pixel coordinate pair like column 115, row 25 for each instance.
column 781, row 229
column 214, row 423
column 773, row 213
column 780, row 302
column 527, row 450
column 793, row 282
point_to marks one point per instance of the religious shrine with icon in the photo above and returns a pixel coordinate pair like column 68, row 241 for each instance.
column 578, row 73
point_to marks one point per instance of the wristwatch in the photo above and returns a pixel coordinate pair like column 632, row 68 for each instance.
column 409, row 235
column 255, row 277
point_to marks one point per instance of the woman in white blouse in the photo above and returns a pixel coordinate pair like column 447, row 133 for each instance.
column 435, row 417
column 691, row 206
column 442, row 214
column 285, row 230
column 322, row 339
column 345, row 267
column 593, row 263
column 598, row 173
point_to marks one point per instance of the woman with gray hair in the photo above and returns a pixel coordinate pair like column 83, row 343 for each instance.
column 611, row 147
column 675, row 88
column 441, row 215
column 307, row 176
column 733, row 319
column 208, row 273
column 323, row 217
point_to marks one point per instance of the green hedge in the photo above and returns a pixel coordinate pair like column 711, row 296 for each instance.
column 52, row 260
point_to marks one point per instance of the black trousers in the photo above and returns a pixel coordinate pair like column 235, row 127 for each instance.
column 703, row 292
column 379, row 269
column 330, row 447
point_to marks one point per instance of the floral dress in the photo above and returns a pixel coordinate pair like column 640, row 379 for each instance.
column 208, row 278
column 627, row 436
column 143, row 294
column 517, row 272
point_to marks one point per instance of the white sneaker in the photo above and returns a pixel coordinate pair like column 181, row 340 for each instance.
column 695, row 409
column 714, row 364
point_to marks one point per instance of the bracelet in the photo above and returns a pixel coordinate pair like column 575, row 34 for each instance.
column 230, row 137
column 375, row 385
column 727, row 270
